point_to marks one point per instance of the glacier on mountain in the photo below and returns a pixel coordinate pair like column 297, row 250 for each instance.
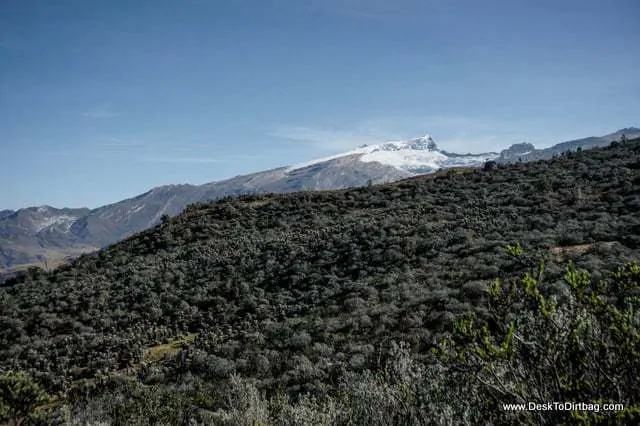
column 419, row 156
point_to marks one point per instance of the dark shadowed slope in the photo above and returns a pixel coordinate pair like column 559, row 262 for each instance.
column 319, row 274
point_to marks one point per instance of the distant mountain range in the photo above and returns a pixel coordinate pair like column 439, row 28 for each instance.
column 42, row 235
column 527, row 152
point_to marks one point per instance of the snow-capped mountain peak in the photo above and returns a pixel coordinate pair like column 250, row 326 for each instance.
column 418, row 156
column 424, row 142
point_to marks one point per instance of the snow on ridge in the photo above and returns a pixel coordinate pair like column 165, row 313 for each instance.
column 367, row 149
column 136, row 209
column 472, row 159
column 65, row 220
column 406, row 159
column 361, row 150
column 416, row 155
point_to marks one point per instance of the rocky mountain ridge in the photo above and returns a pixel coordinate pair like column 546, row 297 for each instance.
column 36, row 234
column 527, row 152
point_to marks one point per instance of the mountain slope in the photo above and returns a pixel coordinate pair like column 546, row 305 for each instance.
column 417, row 156
column 88, row 230
column 38, row 233
column 385, row 162
column 527, row 152
column 292, row 290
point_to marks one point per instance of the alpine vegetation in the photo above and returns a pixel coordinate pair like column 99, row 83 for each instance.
column 484, row 294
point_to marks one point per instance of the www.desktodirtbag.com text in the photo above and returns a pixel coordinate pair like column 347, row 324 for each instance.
column 563, row 406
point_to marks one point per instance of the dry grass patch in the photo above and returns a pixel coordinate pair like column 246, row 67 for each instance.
column 560, row 252
column 257, row 203
column 159, row 352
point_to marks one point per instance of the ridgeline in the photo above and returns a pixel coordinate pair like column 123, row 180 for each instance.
column 276, row 308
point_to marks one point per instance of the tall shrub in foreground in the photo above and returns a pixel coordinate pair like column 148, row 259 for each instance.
column 536, row 349
column 19, row 397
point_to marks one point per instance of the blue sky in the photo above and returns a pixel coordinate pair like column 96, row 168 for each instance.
column 102, row 100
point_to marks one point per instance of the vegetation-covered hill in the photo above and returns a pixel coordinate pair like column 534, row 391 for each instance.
column 297, row 293
column 42, row 235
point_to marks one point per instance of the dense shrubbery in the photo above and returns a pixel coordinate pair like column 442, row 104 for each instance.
column 582, row 348
column 291, row 305
column 535, row 348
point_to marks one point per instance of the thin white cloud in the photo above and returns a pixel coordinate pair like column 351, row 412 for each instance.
column 326, row 139
column 375, row 9
column 99, row 112
column 474, row 144
column 359, row 8
column 456, row 120
column 454, row 133
column 120, row 141
column 129, row 154
column 195, row 160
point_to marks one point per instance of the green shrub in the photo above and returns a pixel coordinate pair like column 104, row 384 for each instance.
column 583, row 350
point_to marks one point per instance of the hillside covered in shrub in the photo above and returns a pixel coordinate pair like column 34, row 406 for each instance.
column 319, row 307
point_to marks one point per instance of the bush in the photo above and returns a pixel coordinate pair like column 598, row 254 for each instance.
column 19, row 397
column 490, row 165
column 586, row 349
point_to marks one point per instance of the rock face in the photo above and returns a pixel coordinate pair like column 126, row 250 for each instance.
column 517, row 150
column 36, row 234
